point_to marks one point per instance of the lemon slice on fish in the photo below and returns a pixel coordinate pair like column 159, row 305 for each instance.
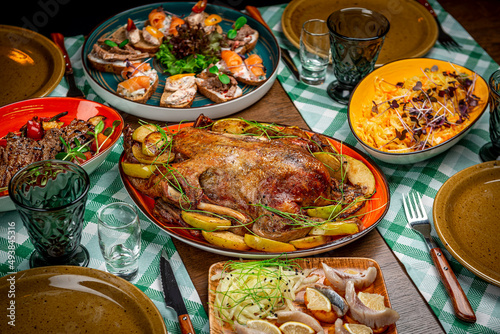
column 294, row 327
column 357, row 329
column 316, row 301
column 372, row 300
column 263, row 326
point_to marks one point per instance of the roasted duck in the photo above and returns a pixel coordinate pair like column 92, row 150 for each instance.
column 248, row 178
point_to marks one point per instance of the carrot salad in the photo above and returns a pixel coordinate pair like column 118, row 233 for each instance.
column 419, row 112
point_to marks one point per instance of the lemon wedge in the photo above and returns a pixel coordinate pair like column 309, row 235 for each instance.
column 357, row 329
column 372, row 300
column 316, row 301
column 263, row 326
column 294, row 327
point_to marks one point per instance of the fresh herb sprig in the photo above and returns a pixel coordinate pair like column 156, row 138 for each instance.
column 72, row 153
column 240, row 22
column 222, row 77
column 113, row 44
column 79, row 149
column 107, row 132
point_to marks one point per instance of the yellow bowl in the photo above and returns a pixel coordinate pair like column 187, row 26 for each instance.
column 398, row 71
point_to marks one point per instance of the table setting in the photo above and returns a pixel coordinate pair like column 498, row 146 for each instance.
column 130, row 252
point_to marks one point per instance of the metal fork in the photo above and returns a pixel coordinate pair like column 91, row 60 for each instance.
column 446, row 40
column 417, row 217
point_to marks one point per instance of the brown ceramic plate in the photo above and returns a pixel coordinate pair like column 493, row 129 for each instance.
column 68, row 299
column 413, row 29
column 358, row 264
column 32, row 65
column 465, row 215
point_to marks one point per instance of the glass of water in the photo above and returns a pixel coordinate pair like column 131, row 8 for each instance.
column 314, row 51
column 120, row 239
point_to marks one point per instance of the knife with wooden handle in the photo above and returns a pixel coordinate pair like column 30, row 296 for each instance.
column 285, row 54
column 173, row 297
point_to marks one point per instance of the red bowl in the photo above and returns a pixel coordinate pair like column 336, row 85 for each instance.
column 13, row 116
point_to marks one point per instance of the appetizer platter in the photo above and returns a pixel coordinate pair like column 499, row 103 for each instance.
column 61, row 128
column 316, row 295
column 252, row 190
column 413, row 109
column 174, row 61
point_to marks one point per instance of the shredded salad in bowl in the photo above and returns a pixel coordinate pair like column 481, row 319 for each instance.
column 420, row 111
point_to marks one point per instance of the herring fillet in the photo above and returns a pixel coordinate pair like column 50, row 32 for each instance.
column 365, row 315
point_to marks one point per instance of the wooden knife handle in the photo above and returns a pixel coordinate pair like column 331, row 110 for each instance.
column 185, row 324
column 461, row 305
column 255, row 13
column 428, row 6
column 59, row 40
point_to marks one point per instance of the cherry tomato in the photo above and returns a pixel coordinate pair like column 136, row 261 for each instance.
column 34, row 130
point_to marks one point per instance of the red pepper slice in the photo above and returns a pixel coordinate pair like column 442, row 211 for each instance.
column 130, row 25
column 3, row 142
column 200, row 6
column 34, row 130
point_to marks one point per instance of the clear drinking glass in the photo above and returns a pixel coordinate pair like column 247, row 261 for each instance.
column 120, row 239
column 491, row 150
column 357, row 36
column 50, row 197
column 314, row 51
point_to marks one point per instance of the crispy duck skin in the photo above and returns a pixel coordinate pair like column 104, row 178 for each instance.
column 246, row 174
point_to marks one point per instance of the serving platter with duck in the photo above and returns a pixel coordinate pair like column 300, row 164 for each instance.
column 173, row 61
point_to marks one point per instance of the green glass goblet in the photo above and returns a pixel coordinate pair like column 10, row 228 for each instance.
column 356, row 36
column 491, row 150
column 50, row 197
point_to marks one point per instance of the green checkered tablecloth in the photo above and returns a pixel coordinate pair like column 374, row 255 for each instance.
column 107, row 187
column 324, row 115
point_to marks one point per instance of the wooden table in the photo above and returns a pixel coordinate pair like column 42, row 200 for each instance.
column 481, row 20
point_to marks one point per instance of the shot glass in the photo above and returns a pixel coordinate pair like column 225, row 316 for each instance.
column 120, row 239
column 357, row 36
column 314, row 51
column 50, row 197
column 491, row 150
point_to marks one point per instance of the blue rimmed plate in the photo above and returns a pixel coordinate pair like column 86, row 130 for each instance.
column 104, row 84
